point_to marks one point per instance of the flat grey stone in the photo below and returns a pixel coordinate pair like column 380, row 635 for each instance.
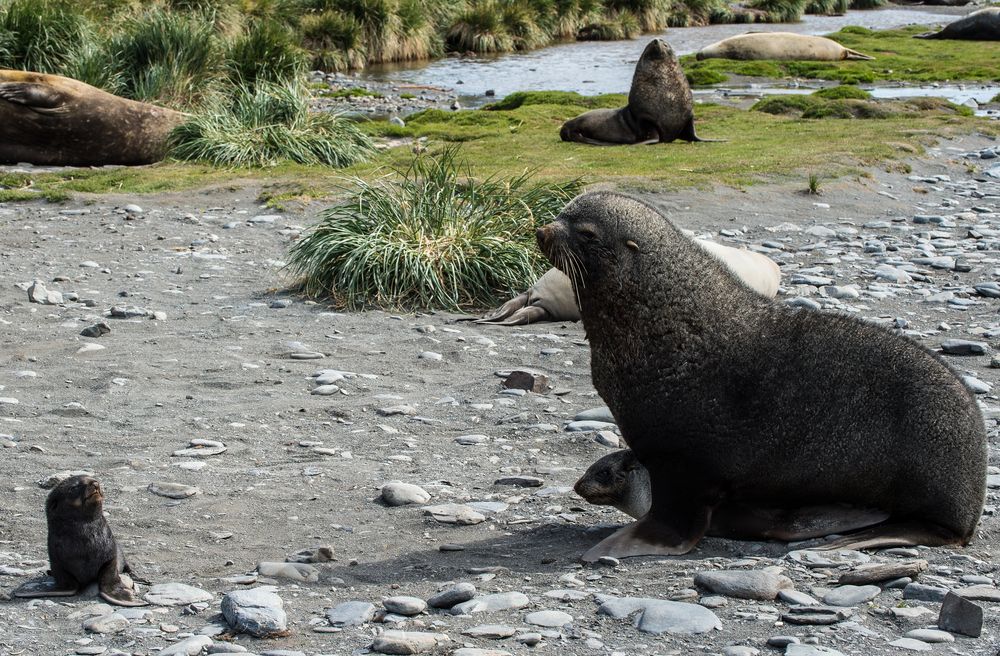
column 743, row 584
column 188, row 647
column 456, row 594
column 660, row 616
column 492, row 603
column 911, row 645
column 820, row 615
column 475, row 651
column 454, row 513
column 851, row 595
column 176, row 594
column 493, row 631
column 796, row 649
column 796, row 598
column 113, row 623
column 406, row 642
column 960, row 615
column 589, row 425
column 930, row 635
column 300, row 572
column 923, row 592
column 979, row 593
column 828, row 558
column 403, row 605
column 350, row 613
column 740, row 650
column 549, row 618
column 173, row 490
column 258, row 612
column 964, row 347
column 596, row 414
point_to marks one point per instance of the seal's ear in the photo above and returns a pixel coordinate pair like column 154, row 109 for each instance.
column 632, row 245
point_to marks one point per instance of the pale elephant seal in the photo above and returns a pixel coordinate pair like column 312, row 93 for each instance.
column 780, row 46
column 53, row 120
column 551, row 298
column 981, row 25
column 729, row 399
column 660, row 106
column 82, row 549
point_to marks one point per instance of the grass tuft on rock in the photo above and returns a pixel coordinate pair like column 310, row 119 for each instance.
column 265, row 125
column 431, row 236
column 842, row 92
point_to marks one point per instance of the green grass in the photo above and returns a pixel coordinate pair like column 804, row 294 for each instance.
column 353, row 92
column 841, row 92
column 850, row 105
column 42, row 35
column 429, row 236
column 898, row 57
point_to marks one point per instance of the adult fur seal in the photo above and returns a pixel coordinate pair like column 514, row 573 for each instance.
column 729, row 399
column 981, row 25
column 53, row 120
column 660, row 106
column 779, row 45
column 551, row 298
column 81, row 547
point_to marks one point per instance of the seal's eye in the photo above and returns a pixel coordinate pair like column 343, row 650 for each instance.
column 589, row 235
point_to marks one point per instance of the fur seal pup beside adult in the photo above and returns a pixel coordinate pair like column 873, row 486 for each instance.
column 981, row 25
column 659, row 109
column 729, row 399
column 780, row 46
column 551, row 298
column 82, row 549
column 54, row 120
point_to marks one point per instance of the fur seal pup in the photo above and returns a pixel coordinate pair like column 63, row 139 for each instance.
column 660, row 106
column 54, row 120
column 81, row 547
column 551, row 298
column 981, row 25
column 729, row 399
column 780, row 46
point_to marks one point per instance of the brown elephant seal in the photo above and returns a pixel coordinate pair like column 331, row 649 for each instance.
column 981, row 25
column 660, row 106
column 82, row 549
column 780, row 46
column 551, row 298
column 53, row 120
column 729, row 399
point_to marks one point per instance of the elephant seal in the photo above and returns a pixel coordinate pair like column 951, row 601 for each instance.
column 551, row 298
column 54, row 120
column 780, row 46
column 660, row 106
column 729, row 399
column 981, row 25
column 81, row 547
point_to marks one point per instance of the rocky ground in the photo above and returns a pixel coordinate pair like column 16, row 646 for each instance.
column 225, row 458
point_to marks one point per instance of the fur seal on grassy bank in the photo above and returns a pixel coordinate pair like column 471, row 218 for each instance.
column 54, row 120
column 551, row 298
column 729, row 399
column 981, row 25
column 659, row 109
column 81, row 547
column 780, row 46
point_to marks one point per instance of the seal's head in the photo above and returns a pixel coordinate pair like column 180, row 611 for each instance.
column 77, row 497
column 618, row 479
column 657, row 49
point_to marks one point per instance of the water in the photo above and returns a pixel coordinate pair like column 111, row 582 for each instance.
column 595, row 67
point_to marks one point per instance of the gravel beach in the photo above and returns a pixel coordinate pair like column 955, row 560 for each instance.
column 244, row 435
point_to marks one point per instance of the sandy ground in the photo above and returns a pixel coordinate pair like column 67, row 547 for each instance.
column 216, row 365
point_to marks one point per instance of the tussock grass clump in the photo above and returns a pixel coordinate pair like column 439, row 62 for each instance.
column 265, row 125
column 780, row 11
column 480, row 28
column 267, row 52
column 42, row 35
column 522, row 98
column 827, row 7
column 843, row 91
column 815, row 106
column 788, row 104
column 868, row 4
column 430, row 237
column 623, row 25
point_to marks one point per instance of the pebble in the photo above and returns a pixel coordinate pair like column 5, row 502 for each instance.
column 491, row 603
column 351, row 613
column 851, row 595
column 796, row 649
column 492, row 631
column 923, row 592
column 910, row 644
column 258, row 612
column 403, row 605
column 549, row 618
column 964, row 347
column 300, row 572
column 658, row 616
column 187, row 647
column 475, row 651
column 455, row 594
column 743, row 584
column 397, row 493
column 111, row 623
column 454, row 513
column 173, row 490
column 930, row 635
column 406, row 642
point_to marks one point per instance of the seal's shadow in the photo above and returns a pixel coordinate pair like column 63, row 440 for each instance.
column 547, row 549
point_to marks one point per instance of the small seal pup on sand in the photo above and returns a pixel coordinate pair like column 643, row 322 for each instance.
column 659, row 109
column 551, row 298
column 50, row 119
column 728, row 399
column 981, row 25
column 81, row 547
column 780, row 46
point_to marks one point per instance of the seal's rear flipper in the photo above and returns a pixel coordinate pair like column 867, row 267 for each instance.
column 46, row 587
column 927, row 35
column 507, row 311
column 902, row 534
column 528, row 314
column 748, row 522
column 688, row 134
column 854, row 54
column 116, row 588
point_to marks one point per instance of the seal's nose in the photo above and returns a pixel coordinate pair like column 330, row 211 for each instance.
column 542, row 236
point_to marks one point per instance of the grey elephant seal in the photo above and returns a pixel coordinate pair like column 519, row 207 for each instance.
column 53, row 120
column 551, row 298
column 82, row 549
column 780, row 46
column 981, row 25
column 729, row 399
column 660, row 106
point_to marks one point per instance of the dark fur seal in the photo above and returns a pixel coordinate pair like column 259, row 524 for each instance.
column 982, row 25
column 660, row 106
column 81, row 547
column 729, row 399
column 779, row 46
column 54, row 120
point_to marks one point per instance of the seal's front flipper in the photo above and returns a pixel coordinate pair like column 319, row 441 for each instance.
column 117, row 589
column 46, row 587
column 652, row 536
column 505, row 310
column 687, row 133
column 39, row 97
column 902, row 534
